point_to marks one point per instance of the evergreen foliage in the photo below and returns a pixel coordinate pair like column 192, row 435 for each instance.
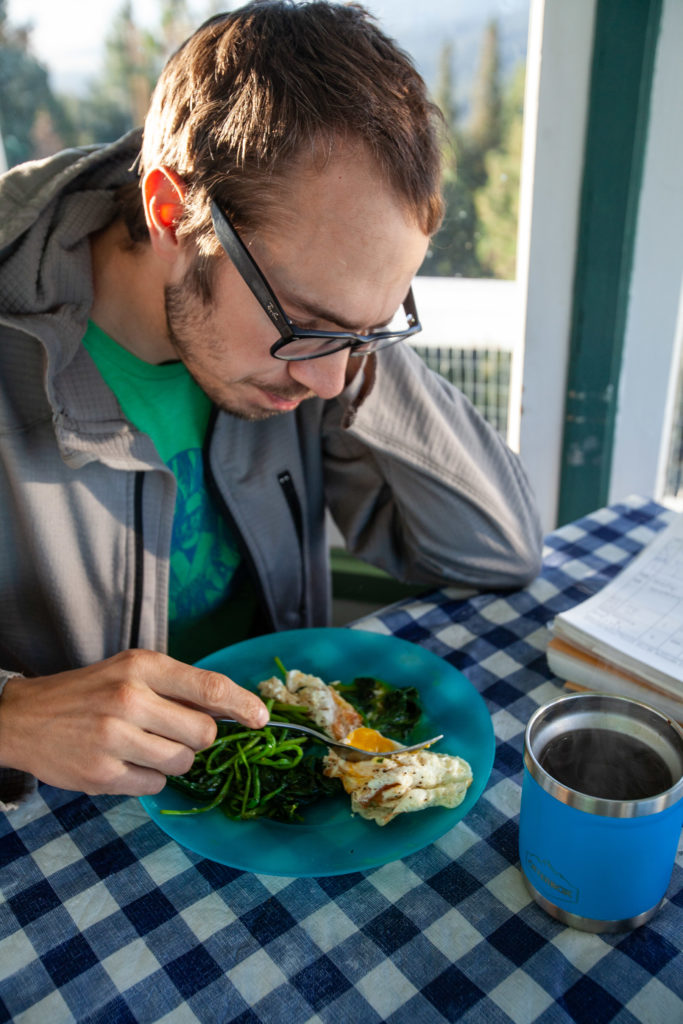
column 453, row 248
column 34, row 122
column 119, row 96
column 32, row 119
column 482, row 155
column 482, row 132
column 497, row 201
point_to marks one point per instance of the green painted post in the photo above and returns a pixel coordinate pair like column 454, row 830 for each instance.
column 623, row 60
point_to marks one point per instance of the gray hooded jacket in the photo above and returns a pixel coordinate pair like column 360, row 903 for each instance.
column 416, row 481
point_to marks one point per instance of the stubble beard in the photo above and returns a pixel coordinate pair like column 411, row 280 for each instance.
column 186, row 315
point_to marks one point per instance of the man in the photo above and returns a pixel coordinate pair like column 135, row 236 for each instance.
column 195, row 364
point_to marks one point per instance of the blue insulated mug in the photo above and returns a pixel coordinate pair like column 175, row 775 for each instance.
column 602, row 809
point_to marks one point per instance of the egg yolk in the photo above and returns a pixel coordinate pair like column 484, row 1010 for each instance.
column 369, row 739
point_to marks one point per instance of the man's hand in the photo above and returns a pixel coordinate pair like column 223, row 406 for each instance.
column 119, row 726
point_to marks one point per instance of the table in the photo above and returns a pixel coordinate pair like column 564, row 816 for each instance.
column 103, row 918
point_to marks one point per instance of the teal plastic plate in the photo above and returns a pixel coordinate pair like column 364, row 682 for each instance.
column 332, row 841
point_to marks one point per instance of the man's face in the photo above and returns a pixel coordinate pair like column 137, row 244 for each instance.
column 341, row 256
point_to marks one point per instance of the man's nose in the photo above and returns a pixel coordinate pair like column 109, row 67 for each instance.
column 325, row 377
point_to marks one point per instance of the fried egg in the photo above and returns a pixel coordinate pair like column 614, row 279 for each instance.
column 386, row 786
column 370, row 739
column 326, row 708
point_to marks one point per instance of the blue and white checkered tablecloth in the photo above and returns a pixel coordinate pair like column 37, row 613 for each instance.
column 104, row 918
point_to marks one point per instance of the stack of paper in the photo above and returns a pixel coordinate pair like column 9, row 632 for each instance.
column 628, row 638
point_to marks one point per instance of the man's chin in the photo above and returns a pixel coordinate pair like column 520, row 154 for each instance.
column 253, row 411
column 268, row 403
column 251, row 401
column 252, row 415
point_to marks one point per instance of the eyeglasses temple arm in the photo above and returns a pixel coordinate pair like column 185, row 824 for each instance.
column 410, row 308
column 247, row 268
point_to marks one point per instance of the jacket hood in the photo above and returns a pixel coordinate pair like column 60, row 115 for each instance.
column 48, row 208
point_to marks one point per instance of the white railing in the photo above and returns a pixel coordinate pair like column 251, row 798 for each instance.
column 463, row 312
column 471, row 329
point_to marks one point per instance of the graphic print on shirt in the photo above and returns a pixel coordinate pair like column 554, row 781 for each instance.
column 204, row 555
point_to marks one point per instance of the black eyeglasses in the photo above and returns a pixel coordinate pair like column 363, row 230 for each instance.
column 296, row 343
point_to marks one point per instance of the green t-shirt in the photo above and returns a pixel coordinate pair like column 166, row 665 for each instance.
column 165, row 403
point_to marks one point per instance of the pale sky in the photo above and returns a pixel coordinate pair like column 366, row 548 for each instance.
column 68, row 35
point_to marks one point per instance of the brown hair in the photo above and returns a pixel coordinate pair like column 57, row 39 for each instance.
column 253, row 92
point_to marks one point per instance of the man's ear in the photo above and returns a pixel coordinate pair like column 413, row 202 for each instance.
column 163, row 195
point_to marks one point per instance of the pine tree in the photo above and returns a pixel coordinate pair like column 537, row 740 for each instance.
column 29, row 110
column 444, row 92
column 176, row 24
column 131, row 65
column 497, row 201
column 453, row 249
column 133, row 57
column 484, row 128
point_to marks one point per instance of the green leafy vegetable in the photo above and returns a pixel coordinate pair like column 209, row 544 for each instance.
column 252, row 773
column 393, row 712
column 303, row 785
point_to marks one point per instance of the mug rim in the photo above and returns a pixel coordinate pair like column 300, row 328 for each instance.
column 638, row 715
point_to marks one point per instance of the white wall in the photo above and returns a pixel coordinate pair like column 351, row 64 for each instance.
column 556, row 103
column 654, row 325
column 531, row 317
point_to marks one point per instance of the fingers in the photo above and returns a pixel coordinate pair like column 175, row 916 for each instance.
column 132, row 761
column 121, row 725
column 220, row 695
column 156, row 752
column 157, row 716
column 137, row 781
column 212, row 692
column 127, row 780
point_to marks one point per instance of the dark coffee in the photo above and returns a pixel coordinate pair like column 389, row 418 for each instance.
column 606, row 764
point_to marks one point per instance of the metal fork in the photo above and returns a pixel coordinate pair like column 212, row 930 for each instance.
column 344, row 750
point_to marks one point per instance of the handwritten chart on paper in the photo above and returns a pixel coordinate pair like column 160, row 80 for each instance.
column 638, row 617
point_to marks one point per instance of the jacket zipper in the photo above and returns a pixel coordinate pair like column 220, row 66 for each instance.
column 139, row 561
column 292, row 498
